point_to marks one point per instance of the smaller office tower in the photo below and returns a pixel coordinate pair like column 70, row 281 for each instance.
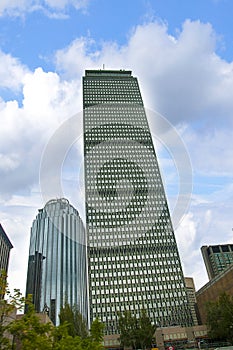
column 57, row 264
column 217, row 258
column 5, row 247
column 191, row 292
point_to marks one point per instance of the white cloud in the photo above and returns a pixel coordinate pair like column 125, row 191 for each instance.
column 208, row 222
column 17, row 214
column 49, row 7
column 213, row 219
column 193, row 264
column 11, row 72
column 47, row 102
column 8, row 162
column 74, row 59
column 211, row 148
column 61, row 4
column 186, row 234
column 181, row 77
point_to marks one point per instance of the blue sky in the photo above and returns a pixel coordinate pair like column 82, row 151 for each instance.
column 181, row 52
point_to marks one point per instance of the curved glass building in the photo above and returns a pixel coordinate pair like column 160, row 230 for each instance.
column 57, row 264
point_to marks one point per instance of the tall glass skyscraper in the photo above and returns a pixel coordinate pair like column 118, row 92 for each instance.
column 134, row 262
column 57, row 264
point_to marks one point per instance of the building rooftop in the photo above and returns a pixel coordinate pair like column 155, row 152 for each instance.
column 215, row 279
column 4, row 235
column 106, row 72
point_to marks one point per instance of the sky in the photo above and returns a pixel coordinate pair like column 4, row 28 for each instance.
column 182, row 54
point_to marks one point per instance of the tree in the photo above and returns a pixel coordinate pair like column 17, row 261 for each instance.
column 76, row 324
column 72, row 325
column 9, row 304
column 128, row 329
column 63, row 341
column 146, row 330
column 135, row 333
column 31, row 332
column 97, row 331
column 220, row 318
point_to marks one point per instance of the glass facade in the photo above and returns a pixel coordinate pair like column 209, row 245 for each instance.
column 57, row 264
column 217, row 258
column 133, row 258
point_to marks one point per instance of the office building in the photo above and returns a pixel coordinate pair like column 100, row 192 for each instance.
column 191, row 292
column 134, row 262
column 57, row 264
column 5, row 247
column 217, row 258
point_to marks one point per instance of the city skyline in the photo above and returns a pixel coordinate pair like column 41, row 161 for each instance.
column 183, row 60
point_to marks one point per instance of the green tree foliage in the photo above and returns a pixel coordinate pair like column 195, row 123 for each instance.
column 220, row 318
column 73, row 331
column 146, row 331
column 35, row 335
column 76, row 324
column 97, row 331
column 135, row 333
column 128, row 329
column 9, row 304
column 63, row 341
column 31, row 332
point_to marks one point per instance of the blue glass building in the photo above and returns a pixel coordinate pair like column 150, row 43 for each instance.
column 57, row 264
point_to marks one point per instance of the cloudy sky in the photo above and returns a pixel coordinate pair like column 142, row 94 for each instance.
column 182, row 53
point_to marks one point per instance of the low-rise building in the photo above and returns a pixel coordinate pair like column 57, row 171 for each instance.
column 165, row 337
column 178, row 336
column 211, row 290
column 191, row 292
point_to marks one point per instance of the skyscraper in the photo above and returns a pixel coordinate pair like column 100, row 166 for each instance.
column 134, row 262
column 217, row 258
column 57, row 264
column 5, row 247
